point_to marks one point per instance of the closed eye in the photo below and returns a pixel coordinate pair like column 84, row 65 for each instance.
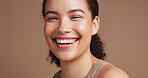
column 52, row 18
column 75, row 17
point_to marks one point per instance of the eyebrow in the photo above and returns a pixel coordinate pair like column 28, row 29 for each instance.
column 74, row 10
column 51, row 12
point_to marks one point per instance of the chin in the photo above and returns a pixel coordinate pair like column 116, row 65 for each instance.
column 66, row 57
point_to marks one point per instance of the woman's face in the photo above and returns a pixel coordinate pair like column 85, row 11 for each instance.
column 68, row 28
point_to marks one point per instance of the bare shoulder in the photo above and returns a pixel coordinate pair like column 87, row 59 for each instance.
column 110, row 71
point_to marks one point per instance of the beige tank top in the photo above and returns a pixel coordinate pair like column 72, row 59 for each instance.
column 93, row 73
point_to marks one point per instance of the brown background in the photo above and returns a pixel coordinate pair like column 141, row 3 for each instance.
column 23, row 50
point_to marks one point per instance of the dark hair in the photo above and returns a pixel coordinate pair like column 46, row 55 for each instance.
column 96, row 45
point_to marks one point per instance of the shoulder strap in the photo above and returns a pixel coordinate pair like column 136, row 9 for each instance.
column 57, row 75
column 93, row 73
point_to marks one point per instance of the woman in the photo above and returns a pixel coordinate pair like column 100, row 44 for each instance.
column 71, row 33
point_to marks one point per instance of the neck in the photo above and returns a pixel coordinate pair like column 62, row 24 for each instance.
column 78, row 68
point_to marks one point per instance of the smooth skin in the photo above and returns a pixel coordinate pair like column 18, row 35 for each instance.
column 72, row 18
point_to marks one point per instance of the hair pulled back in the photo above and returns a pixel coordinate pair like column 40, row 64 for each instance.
column 96, row 45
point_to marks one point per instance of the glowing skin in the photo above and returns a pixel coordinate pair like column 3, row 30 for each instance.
column 72, row 20
column 68, row 30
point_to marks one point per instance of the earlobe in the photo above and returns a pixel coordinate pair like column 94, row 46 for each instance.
column 95, row 25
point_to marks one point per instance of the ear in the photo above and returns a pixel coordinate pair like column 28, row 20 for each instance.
column 95, row 25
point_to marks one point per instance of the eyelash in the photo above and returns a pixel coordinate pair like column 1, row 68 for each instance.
column 55, row 18
column 75, row 17
column 52, row 18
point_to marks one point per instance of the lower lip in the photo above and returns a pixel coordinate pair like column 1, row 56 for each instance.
column 65, row 46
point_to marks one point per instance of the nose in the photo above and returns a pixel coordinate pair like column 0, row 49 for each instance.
column 65, row 26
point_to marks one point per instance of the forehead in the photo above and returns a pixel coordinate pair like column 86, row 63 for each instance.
column 65, row 5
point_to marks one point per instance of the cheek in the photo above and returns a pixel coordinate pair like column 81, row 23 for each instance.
column 48, row 29
column 83, row 27
column 48, row 33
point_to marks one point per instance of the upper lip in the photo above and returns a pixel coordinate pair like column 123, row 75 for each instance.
column 65, row 38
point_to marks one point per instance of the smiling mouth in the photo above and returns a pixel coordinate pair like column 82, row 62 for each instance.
column 65, row 42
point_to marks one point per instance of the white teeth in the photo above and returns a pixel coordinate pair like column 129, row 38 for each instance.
column 65, row 41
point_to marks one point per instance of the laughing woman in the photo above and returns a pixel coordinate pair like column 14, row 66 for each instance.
column 71, row 33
